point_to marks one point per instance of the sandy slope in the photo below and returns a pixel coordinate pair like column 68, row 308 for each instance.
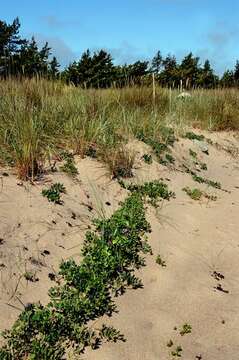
column 194, row 238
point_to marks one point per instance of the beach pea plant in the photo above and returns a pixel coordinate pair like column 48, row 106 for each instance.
column 87, row 291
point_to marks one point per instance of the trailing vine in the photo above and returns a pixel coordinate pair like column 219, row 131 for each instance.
column 87, row 291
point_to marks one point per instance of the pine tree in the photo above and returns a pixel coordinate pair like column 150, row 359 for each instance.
column 157, row 63
column 189, row 70
column 10, row 44
column 54, row 68
column 206, row 78
column 236, row 73
column 169, row 75
column 227, row 79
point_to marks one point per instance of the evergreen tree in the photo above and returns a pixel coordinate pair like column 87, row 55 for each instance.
column 206, row 78
column 54, row 68
column 31, row 60
column 10, row 44
column 236, row 73
column 189, row 70
column 227, row 79
column 136, row 72
column 22, row 57
column 157, row 63
column 102, row 70
column 169, row 75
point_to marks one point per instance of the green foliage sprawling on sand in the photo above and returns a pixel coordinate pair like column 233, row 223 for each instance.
column 152, row 190
column 160, row 142
column 69, row 167
column 53, row 194
column 186, row 329
column 192, row 136
column 202, row 180
column 110, row 254
column 160, row 262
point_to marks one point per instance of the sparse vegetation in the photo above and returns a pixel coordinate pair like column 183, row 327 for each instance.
column 120, row 162
column 110, row 254
column 30, row 276
column 110, row 334
column 202, row 180
column 160, row 262
column 177, row 352
column 69, row 167
column 193, row 153
column 153, row 190
column 54, row 193
column 210, row 197
column 160, row 143
column 195, row 194
column 186, row 329
column 147, row 158
column 192, row 136
column 167, row 159
column 170, row 343
column 203, row 166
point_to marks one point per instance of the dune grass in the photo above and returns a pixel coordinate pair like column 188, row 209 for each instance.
column 39, row 118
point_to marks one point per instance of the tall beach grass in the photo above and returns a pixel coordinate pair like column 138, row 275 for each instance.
column 38, row 118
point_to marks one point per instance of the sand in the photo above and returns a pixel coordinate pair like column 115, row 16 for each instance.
column 195, row 238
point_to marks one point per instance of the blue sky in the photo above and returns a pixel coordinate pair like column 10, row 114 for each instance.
column 132, row 29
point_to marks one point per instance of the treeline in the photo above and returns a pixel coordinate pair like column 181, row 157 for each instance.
column 22, row 57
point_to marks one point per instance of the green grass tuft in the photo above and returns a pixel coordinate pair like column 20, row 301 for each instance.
column 195, row 194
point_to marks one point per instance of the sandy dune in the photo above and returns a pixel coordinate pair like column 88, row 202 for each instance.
column 195, row 238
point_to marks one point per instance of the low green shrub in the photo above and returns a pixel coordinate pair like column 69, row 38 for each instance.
column 86, row 291
column 192, row 136
column 177, row 352
column 147, row 158
column 69, row 167
column 167, row 159
column 153, row 190
column 186, row 329
column 54, row 193
column 193, row 153
column 160, row 262
column 161, row 144
column 203, row 166
column 30, row 276
column 195, row 194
